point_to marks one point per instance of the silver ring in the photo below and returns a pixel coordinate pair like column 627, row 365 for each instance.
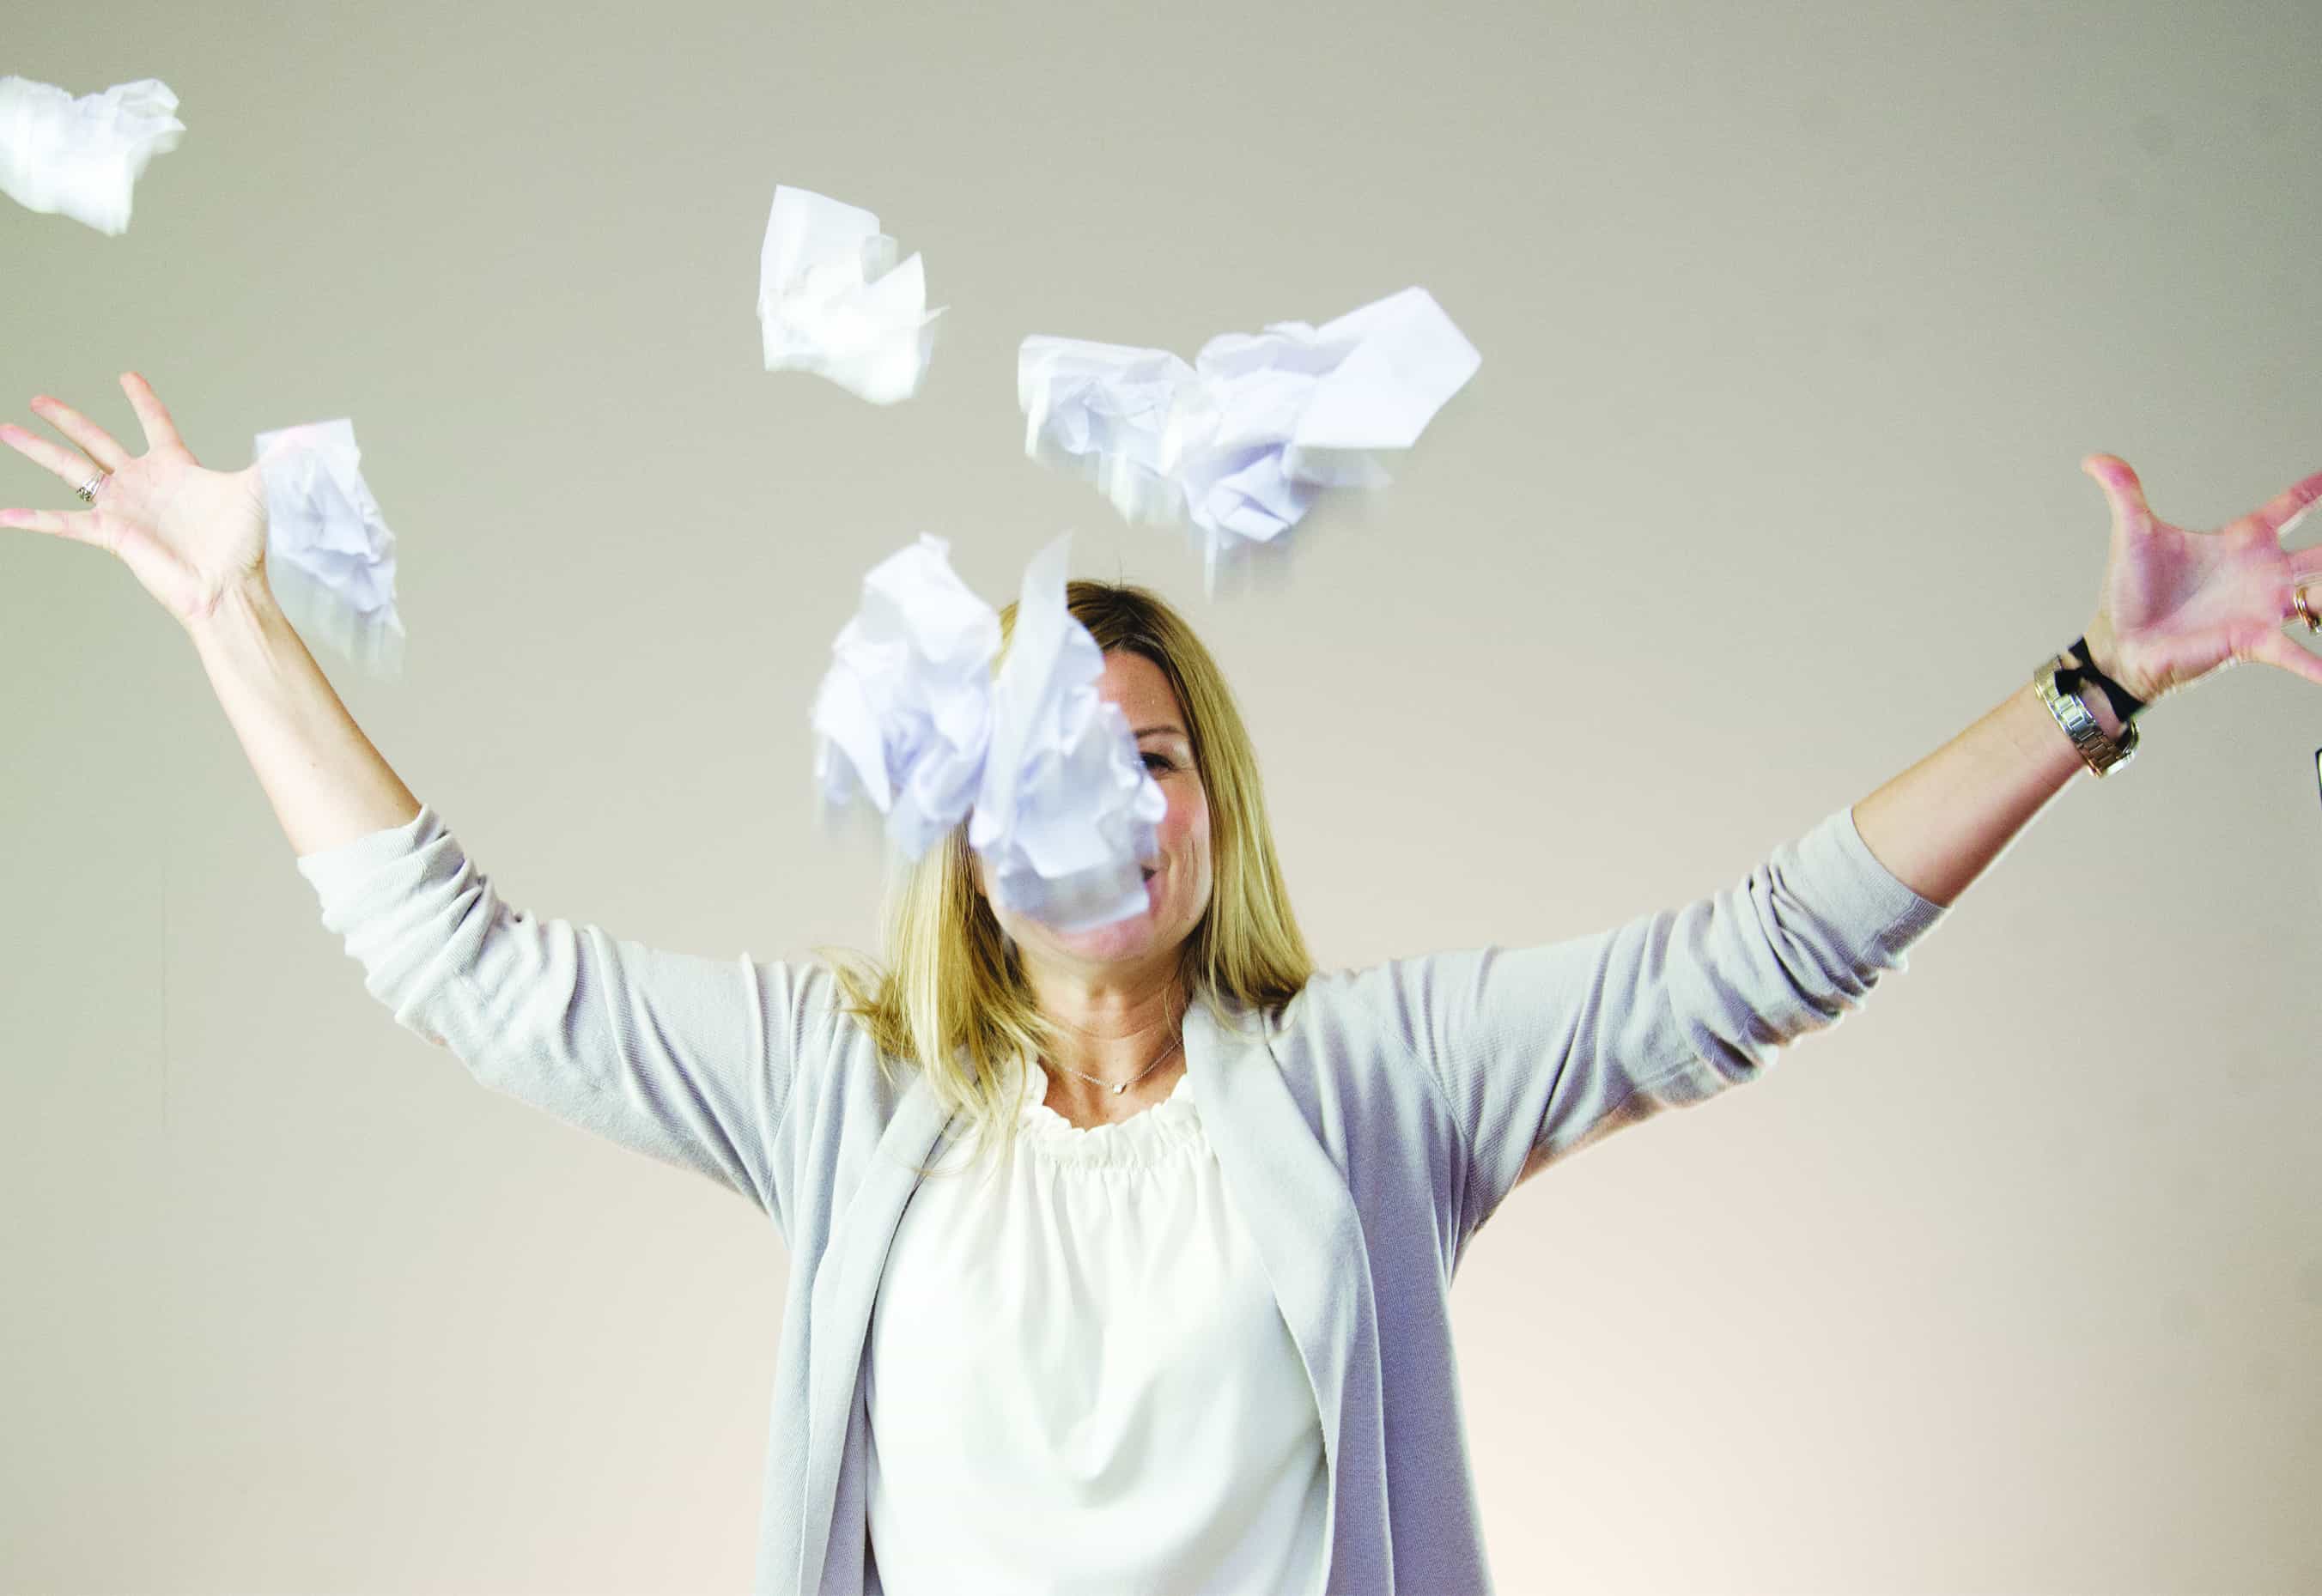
column 88, row 490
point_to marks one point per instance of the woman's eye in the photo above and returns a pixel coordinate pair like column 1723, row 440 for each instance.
column 1156, row 761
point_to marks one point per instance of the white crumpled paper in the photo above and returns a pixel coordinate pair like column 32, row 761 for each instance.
column 80, row 158
column 904, row 712
column 330, row 557
column 1066, row 813
column 1048, row 775
column 832, row 299
column 1237, row 445
column 1102, row 411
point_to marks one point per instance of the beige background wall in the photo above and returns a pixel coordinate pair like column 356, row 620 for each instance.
column 1795, row 324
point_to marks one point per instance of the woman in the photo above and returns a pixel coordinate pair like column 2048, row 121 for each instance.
column 1188, row 1327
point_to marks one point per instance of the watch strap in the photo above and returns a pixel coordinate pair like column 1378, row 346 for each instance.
column 2098, row 750
column 2080, row 668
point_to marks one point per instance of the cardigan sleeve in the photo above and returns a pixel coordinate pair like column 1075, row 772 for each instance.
column 685, row 1058
column 1541, row 1050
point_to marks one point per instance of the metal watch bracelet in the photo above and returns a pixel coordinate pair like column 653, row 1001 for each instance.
column 2099, row 751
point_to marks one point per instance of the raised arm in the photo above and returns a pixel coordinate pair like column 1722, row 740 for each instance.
column 1540, row 1051
column 327, row 784
column 2174, row 606
column 688, row 1060
column 685, row 1058
column 195, row 540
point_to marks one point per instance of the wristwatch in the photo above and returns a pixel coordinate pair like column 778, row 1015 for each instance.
column 2101, row 753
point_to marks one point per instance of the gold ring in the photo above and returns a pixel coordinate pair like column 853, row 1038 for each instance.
column 2298, row 602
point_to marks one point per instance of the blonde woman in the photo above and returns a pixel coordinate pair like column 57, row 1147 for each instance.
column 1184, row 1324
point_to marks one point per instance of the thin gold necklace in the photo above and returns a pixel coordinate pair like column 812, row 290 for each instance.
column 1140, row 1074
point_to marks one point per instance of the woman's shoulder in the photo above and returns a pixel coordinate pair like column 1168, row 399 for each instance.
column 818, row 997
column 1348, row 1011
column 1328, row 994
column 1346, row 1047
column 836, row 1063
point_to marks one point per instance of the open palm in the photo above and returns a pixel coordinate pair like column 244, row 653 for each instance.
column 2178, row 605
column 187, row 534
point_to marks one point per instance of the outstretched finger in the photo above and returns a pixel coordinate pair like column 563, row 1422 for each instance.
column 101, row 445
column 2121, row 490
column 80, row 526
column 160, row 430
column 2281, row 512
column 69, row 464
column 2278, row 648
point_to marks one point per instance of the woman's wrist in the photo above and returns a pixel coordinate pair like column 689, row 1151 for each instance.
column 2096, row 681
column 2102, row 649
column 2099, row 707
column 2083, row 710
column 237, row 608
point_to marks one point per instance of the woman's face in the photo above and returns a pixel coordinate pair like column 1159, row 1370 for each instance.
column 1177, row 880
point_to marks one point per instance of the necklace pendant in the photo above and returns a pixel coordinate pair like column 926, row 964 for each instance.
column 1121, row 1087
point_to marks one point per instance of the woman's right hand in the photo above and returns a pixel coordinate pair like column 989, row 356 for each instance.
column 191, row 535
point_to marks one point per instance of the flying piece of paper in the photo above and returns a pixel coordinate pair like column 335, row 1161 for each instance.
column 1066, row 812
column 330, row 557
column 833, row 300
column 1046, row 774
column 80, row 158
column 1102, row 411
column 1237, row 445
column 904, row 712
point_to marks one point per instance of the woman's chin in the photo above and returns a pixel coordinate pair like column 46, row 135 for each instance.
column 1139, row 937
column 1131, row 938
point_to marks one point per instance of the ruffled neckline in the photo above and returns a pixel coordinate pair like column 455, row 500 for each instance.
column 1147, row 1137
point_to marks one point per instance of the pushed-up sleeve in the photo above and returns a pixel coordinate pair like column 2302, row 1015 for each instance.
column 1542, row 1050
column 685, row 1058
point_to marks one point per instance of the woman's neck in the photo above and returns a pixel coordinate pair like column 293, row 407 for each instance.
column 1115, row 1029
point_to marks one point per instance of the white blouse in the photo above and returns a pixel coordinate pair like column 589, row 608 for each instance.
column 1079, row 1380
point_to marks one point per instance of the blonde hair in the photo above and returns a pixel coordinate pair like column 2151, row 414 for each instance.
column 951, row 1000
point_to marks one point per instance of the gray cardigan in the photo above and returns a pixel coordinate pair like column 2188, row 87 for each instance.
column 1365, row 1131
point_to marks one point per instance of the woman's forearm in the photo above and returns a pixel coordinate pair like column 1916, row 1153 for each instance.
column 327, row 784
column 1937, row 825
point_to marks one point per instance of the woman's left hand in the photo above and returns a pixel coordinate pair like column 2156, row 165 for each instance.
column 2178, row 605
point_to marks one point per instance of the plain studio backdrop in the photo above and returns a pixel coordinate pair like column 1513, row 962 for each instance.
column 1795, row 325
